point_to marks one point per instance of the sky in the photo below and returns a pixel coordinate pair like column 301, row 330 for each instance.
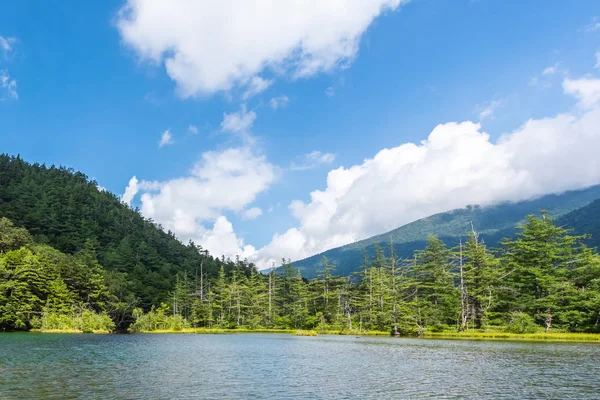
column 277, row 129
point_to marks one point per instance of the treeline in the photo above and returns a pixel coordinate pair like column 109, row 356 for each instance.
column 545, row 278
column 44, row 288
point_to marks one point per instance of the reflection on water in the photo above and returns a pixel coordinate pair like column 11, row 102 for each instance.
column 261, row 366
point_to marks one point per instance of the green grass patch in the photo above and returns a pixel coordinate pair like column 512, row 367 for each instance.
column 79, row 331
column 306, row 333
column 499, row 335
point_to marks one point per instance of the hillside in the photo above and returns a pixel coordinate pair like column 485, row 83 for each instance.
column 63, row 209
column 493, row 224
column 584, row 221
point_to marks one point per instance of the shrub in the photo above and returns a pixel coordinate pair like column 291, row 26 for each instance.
column 521, row 323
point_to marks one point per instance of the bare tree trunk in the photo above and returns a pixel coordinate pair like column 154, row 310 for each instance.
column 463, row 294
column 201, row 281
column 270, row 294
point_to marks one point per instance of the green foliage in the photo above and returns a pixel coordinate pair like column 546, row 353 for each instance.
column 86, row 321
column 157, row 320
column 521, row 322
column 11, row 237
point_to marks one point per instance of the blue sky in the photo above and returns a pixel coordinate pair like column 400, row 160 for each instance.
column 95, row 90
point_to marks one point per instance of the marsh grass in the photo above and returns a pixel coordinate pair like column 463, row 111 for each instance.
column 499, row 335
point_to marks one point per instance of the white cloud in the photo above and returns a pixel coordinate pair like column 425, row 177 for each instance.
column 193, row 129
column 256, row 85
column 597, row 60
column 222, row 240
column 252, row 213
column 130, row 191
column 457, row 165
column 312, row 160
column 279, row 102
column 211, row 46
column 488, row 110
column 239, row 123
column 330, row 91
column 8, row 85
column 228, row 180
column 586, row 90
column 166, row 139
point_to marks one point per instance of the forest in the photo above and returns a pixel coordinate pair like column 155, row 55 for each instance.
column 545, row 279
column 73, row 258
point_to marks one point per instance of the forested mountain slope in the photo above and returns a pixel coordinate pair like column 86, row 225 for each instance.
column 584, row 221
column 63, row 209
column 492, row 223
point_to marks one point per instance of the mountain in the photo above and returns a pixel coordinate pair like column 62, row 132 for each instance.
column 492, row 223
column 64, row 209
column 584, row 221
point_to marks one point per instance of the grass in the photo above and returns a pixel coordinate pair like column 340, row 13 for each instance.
column 499, row 335
column 468, row 335
column 99, row 331
column 212, row 331
column 306, row 333
column 299, row 332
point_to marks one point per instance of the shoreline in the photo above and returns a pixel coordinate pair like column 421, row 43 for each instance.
column 557, row 337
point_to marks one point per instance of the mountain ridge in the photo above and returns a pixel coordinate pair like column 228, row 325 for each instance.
column 493, row 223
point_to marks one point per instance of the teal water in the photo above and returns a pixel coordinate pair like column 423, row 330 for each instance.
column 268, row 366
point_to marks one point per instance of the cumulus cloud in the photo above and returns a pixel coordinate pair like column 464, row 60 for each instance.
column 213, row 46
column 130, row 191
column 252, row 213
column 586, row 90
column 279, row 102
column 312, row 160
column 227, row 180
column 457, row 165
column 166, row 139
column 222, row 240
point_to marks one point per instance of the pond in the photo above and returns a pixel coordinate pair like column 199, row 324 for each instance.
column 270, row 366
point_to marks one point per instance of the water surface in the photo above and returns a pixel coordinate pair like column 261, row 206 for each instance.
column 265, row 366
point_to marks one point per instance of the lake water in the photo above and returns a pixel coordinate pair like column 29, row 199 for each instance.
column 268, row 366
